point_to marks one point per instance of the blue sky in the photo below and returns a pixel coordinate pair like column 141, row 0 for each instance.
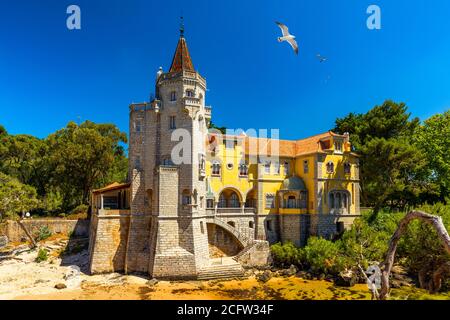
column 50, row 75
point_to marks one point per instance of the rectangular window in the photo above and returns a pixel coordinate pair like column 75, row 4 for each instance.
column 137, row 163
column 173, row 96
column 305, row 166
column 216, row 169
column 270, row 201
column 172, row 122
column 286, row 168
column 267, row 167
column 137, row 126
column 338, row 146
column 277, row 167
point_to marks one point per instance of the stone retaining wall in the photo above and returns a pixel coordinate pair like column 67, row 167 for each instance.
column 14, row 232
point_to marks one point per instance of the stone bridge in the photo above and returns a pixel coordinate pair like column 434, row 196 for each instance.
column 243, row 239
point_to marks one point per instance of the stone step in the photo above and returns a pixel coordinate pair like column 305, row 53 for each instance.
column 221, row 272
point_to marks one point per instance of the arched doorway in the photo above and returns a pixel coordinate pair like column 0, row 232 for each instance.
column 222, row 243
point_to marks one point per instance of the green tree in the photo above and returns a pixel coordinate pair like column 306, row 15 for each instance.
column 433, row 139
column 419, row 249
column 3, row 131
column 214, row 126
column 394, row 172
column 15, row 197
column 81, row 156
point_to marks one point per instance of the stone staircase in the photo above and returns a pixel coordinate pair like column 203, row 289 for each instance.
column 225, row 268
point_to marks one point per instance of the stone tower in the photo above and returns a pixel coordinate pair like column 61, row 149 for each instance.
column 167, row 232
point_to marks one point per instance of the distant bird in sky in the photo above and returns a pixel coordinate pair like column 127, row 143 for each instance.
column 287, row 37
column 321, row 58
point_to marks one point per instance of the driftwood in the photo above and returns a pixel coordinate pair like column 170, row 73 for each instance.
column 386, row 267
column 373, row 289
column 33, row 242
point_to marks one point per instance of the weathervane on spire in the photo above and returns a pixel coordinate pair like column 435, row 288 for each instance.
column 181, row 26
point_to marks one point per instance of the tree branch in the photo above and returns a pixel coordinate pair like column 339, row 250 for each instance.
column 432, row 220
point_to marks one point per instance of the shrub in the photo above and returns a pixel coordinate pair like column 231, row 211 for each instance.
column 43, row 233
column 286, row 254
column 322, row 256
column 42, row 255
column 362, row 244
column 82, row 208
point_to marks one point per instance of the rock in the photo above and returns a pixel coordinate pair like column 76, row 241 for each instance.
column 60, row 286
column 321, row 276
column 152, row 282
column 292, row 270
column 3, row 241
column 346, row 279
column 265, row 276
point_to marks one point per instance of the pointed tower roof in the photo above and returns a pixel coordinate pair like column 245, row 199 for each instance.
column 181, row 59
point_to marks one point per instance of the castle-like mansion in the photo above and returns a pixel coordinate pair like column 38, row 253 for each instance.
column 219, row 210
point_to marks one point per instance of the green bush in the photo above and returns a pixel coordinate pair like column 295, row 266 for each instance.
column 362, row 244
column 42, row 255
column 43, row 233
column 82, row 208
column 286, row 254
column 322, row 256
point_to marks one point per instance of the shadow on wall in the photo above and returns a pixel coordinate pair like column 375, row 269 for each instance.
column 76, row 251
column 223, row 240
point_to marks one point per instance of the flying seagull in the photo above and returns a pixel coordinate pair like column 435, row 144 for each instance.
column 287, row 37
column 321, row 58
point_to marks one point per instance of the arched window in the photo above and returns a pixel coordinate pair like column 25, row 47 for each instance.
column 243, row 169
column 186, row 198
column 222, row 201
column 330, row 167
column 234, row 200
column 173, row 96
column 209, row 203
column 347, row 168
column 250, row 224
column 190, row 93
column 339, row 201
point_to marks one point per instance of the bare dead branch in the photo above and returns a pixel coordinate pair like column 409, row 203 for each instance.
column 432, row 220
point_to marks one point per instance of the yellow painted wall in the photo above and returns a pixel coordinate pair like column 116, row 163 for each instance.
column 272, row 183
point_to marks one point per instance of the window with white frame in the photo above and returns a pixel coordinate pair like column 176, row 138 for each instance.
column 267, row 167
column 270, row 201
column 216, row 168
column 330, row 167
column 305, row 166
column 243, row 169
column 339, row 200
column 338, row 146
column 276, row 167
